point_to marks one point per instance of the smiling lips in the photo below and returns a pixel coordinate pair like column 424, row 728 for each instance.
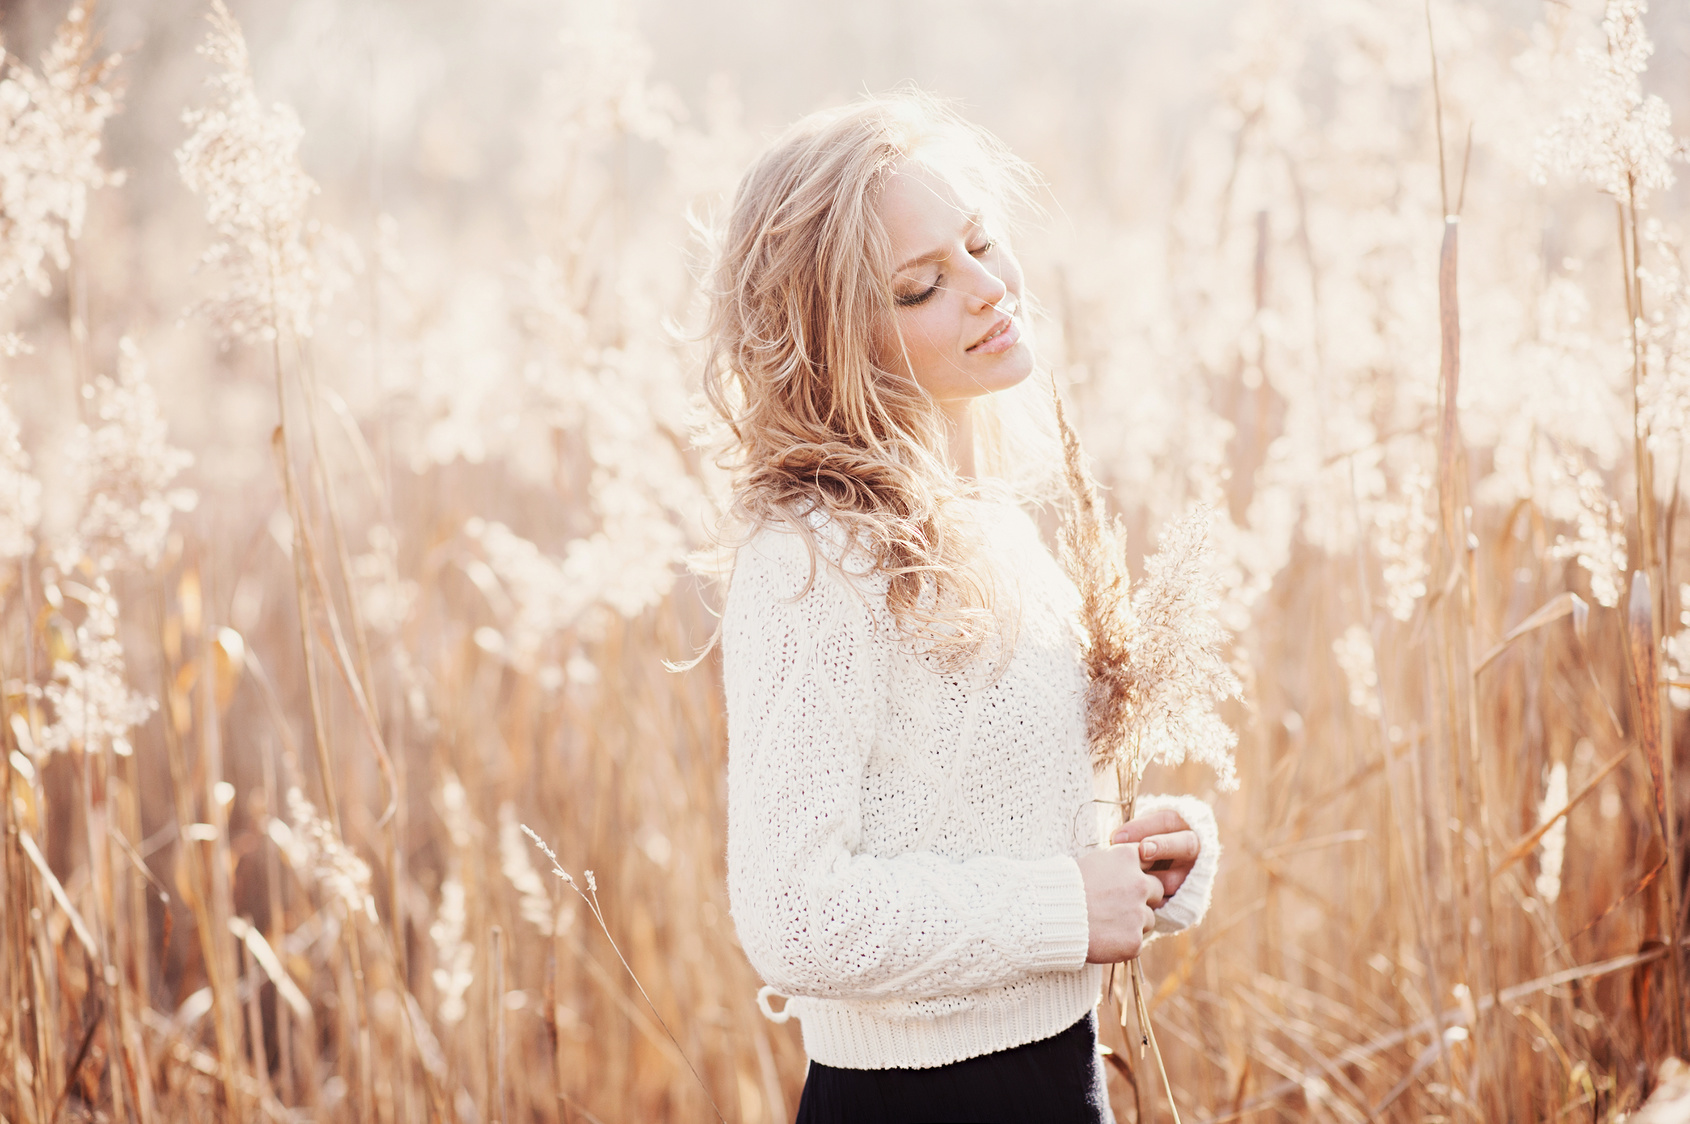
column 1003, row 336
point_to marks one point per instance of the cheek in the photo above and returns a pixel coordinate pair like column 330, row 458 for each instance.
column 927, row 335
column 923, row 337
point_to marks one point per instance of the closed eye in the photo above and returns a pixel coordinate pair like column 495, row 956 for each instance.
column 910, row 300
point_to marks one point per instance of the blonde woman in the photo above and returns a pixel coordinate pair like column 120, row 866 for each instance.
column 914, row 858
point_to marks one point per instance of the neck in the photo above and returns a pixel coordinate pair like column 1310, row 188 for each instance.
column 959, row 427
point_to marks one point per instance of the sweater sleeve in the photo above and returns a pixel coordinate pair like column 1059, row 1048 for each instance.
column 807, row 683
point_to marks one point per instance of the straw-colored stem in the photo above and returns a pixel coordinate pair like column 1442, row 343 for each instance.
column 1656, row 564
column 337, row 533
column 359, row 677
column 255, row 1042
column 1144, row 1095
column 99, row 909
column 137, row 976
column 554, row 999
column 326, row 772
column 197, row 887
column 13, row 935
column 1421, row 909
column 220, row 907
column 496, row 1025
column 125, row 1083
column 278, row 913
column 1643, row 647
column 1150, row 1033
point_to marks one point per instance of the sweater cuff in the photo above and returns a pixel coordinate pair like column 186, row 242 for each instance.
column 1053, row 918
column 1191, row 901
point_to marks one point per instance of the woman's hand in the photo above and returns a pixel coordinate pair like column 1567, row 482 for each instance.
column 1121, row 901
column 1167, row 846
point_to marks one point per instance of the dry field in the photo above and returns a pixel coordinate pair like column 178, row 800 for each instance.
column 347, row 484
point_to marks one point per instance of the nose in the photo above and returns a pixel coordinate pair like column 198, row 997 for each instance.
column 988, row 288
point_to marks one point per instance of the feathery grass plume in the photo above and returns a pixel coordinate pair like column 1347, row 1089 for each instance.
column 1354, row 651
column 50, row 126
column 387, row 600
column 1177, row 645
column 92, row 703
column 1093, row 550
column 454, row 953
column 1599, row 544
column 1664, row 395
column 328, row 861
column 1153, row 656
column 624, row 568
column 534, row 902
column 1615, row 136
column 1554, row 845
column 242, row 160
column 1403, row 532
column 455, row 957
column 124, row 465
column 1676, row 650
column 20, row 491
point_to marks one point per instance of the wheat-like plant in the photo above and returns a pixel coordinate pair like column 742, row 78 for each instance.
column 1153, row 654
column 436, row 604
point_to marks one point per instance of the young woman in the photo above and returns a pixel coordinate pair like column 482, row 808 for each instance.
column 914, row 854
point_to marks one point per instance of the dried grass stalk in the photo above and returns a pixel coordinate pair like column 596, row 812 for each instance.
column 1153, row 663
column 1152, row 654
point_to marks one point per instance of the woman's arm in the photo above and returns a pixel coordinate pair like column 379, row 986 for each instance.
column 807, row 684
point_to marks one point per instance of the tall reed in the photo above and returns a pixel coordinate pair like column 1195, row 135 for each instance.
column 431, row 566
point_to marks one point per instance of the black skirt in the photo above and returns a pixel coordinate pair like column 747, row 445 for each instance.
column 1056, row 1079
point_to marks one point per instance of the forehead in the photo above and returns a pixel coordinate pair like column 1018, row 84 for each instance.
column 923, row 209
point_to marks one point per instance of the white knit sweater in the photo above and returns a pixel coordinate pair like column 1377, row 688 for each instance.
column 901, row 842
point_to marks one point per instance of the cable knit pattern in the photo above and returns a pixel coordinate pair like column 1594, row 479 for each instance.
column 901, row 842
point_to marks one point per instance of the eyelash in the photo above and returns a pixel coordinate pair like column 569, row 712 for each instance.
column 914, row 299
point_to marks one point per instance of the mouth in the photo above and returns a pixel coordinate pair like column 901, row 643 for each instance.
column 1002, row 336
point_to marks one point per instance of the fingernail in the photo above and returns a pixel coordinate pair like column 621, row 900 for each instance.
column 1147, row 850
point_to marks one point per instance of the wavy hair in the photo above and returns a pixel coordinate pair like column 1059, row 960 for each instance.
column 802, row 340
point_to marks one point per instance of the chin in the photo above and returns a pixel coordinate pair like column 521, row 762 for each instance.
column 1011, row 370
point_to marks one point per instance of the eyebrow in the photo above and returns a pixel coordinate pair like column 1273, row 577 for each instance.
column 936, row 255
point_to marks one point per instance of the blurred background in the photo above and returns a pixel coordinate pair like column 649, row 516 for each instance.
column 347, row 484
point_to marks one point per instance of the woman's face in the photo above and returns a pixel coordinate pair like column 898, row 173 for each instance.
column 955, row 289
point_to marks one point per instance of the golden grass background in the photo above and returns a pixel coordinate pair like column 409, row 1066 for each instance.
column 443, row 403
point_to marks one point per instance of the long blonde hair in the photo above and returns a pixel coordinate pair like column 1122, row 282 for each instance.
column 801, row 311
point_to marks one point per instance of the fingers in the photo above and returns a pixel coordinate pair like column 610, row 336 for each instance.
column 1164, row 821
column 1177, row 849
column 1169, row 858
column 1155, row 892
column 1121, row 899
column 1171, row 880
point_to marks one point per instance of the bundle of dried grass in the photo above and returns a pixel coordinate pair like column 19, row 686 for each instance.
column 1153, row 655
column 1153, row 658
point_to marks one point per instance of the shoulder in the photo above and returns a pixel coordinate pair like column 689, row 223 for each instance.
column 776, row 559
column 798, row 556
column 788, row 600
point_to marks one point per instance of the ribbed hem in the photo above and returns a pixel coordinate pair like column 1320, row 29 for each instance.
column 851, row 1036
column 1051, row 920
